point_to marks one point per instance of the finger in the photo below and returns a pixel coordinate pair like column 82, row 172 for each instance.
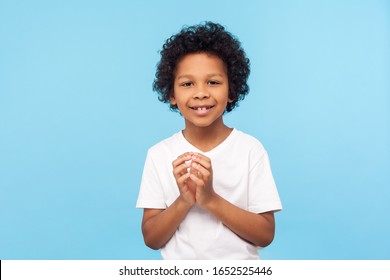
column 182, row 158
column 182, row 169
column 198, row 182
column 201, row 172
column 202, row 160
column 181, row 181
column 191, row 169
column 178, row 167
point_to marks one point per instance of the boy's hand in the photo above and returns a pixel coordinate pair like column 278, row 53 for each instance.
column 202, row 176
column 186, row 186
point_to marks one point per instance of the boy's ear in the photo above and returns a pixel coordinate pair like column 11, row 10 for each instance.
column 229, row 99
column 173, row 100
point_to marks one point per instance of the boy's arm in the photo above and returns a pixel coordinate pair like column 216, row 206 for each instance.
column 258, row 229
column 158, row 225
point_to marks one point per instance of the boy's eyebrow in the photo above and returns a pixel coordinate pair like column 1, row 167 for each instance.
column 186, row 76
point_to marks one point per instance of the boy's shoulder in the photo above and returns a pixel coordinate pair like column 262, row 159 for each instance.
column 166, row 143
column 248, row 140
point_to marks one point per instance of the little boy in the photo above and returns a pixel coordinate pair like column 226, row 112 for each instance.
column 207, row 191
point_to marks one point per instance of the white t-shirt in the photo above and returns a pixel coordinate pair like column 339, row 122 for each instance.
column 241, row 175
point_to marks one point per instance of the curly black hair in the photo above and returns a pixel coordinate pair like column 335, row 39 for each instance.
column 211, row 38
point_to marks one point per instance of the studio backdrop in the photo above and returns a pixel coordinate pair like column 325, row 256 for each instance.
column 78, row 114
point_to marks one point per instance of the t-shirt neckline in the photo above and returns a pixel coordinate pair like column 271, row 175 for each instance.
column 213, row 151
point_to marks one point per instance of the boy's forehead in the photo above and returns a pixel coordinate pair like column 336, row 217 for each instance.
column 200, row 62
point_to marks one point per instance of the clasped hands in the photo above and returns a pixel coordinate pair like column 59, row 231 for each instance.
column 194, row 176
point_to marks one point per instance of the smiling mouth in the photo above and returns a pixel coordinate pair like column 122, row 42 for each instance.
column 201, row 108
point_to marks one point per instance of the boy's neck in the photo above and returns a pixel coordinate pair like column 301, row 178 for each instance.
column 206, row 138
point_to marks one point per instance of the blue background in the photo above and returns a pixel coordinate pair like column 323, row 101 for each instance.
column 77, row 115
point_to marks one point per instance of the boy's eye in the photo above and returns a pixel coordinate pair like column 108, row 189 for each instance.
column 213, row 83
column 186, row 84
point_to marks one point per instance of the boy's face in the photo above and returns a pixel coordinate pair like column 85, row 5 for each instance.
column 201, row 89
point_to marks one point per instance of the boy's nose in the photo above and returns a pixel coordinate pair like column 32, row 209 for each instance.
column 201, row 93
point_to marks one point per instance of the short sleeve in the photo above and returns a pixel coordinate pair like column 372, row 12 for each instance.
column 151, row 194
column 263, row 194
